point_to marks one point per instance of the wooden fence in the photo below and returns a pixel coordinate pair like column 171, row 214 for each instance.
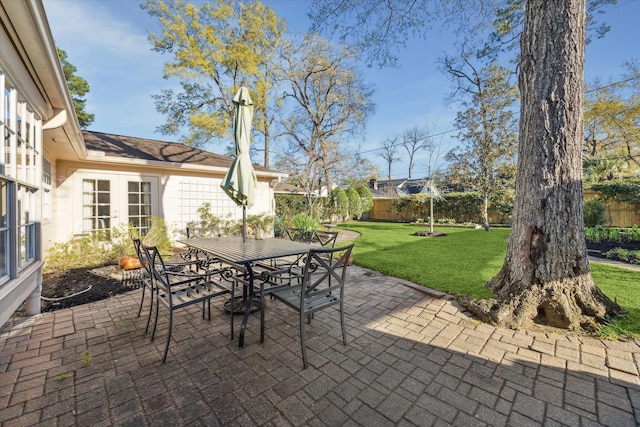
column 621, row 214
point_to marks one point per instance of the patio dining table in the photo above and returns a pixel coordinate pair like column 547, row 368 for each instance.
column 232, row 250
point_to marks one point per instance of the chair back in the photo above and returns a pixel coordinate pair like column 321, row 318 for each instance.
column 142, row 257
column 324, row 238
column 322, row 276
column 136, row 245
column 295, row 234
column 155, row 266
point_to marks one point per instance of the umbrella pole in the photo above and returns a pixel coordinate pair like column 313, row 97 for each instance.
column 244, row 224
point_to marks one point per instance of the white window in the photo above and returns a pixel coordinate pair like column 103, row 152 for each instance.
column 96, row 206
column 20, row 181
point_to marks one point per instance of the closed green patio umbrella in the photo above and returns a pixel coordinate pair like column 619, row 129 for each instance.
column 240, row 181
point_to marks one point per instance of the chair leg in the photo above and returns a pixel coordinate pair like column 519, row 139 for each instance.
column 302, row 342
column 231, row 308
column 344, row 332
column 166, row 348
column 262, row 308
column 144, row 290
column 151, row 291
column 155, row 323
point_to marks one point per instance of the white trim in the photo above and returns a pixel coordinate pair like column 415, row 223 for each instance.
column 110, row 160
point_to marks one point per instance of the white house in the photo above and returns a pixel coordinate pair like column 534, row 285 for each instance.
column 57, row 181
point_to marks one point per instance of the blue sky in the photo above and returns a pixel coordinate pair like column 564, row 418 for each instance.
column 107, row 41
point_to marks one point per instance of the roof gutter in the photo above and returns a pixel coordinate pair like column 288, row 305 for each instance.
column 94, row 157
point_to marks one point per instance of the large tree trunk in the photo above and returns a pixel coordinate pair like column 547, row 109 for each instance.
column 545, row 277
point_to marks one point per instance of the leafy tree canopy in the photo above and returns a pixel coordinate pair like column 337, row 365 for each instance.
column 215, row 49
column 78, row 88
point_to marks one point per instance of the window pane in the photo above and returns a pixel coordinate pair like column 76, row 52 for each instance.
column 88, row 198
column 133, row 187
column 87, row 225
column 103, row 198
column 103, row 211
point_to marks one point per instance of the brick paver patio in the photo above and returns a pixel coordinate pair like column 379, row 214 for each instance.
column 412, row 359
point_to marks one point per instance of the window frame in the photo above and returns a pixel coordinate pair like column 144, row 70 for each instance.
column 143, row 222
column 96, row 205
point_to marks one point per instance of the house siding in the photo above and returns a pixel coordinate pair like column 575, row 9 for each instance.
column 176, row 195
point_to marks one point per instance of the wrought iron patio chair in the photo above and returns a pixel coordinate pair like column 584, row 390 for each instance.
column 145, row 275
column 295, row 235
column 207, row 261
column 324, row 238
column 176, row 289
column 322, row 286
column 292, row 270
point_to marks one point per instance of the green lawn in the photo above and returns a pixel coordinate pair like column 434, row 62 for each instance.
column 463, row 260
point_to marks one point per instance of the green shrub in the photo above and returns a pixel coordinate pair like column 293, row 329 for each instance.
column 339, row 202
column 207, row 219
column 600, row 233
column 290, row 205
column 446, row 221
column 261, row 222
column 90, row 250
column 622, row 190
column 355, row 203
column 365, row 197
column 625, row 255
column 306, row 223
column 595, row 212
column 158, row 235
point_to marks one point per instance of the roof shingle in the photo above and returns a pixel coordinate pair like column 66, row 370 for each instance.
column 130, row 147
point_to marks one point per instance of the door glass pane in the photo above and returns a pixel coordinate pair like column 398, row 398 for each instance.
column 139, row 198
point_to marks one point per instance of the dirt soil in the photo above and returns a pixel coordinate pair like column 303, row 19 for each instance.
column 81, row 286
column 106, row 281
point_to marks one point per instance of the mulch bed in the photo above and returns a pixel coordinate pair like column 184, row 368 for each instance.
column 80, row 286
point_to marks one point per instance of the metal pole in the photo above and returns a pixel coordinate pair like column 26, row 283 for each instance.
column 244, row 224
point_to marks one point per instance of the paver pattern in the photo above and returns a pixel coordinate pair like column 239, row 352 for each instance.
column 413, row 358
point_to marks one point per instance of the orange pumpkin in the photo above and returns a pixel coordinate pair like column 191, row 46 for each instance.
column 129, row 263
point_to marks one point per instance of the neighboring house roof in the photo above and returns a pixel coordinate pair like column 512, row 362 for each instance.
column 105, row 145
column 285, row 188
column 398, row 187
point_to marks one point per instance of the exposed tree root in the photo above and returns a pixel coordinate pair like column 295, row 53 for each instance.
column 579, row 305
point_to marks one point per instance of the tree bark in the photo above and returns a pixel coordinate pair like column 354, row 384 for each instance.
column 545, row 277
